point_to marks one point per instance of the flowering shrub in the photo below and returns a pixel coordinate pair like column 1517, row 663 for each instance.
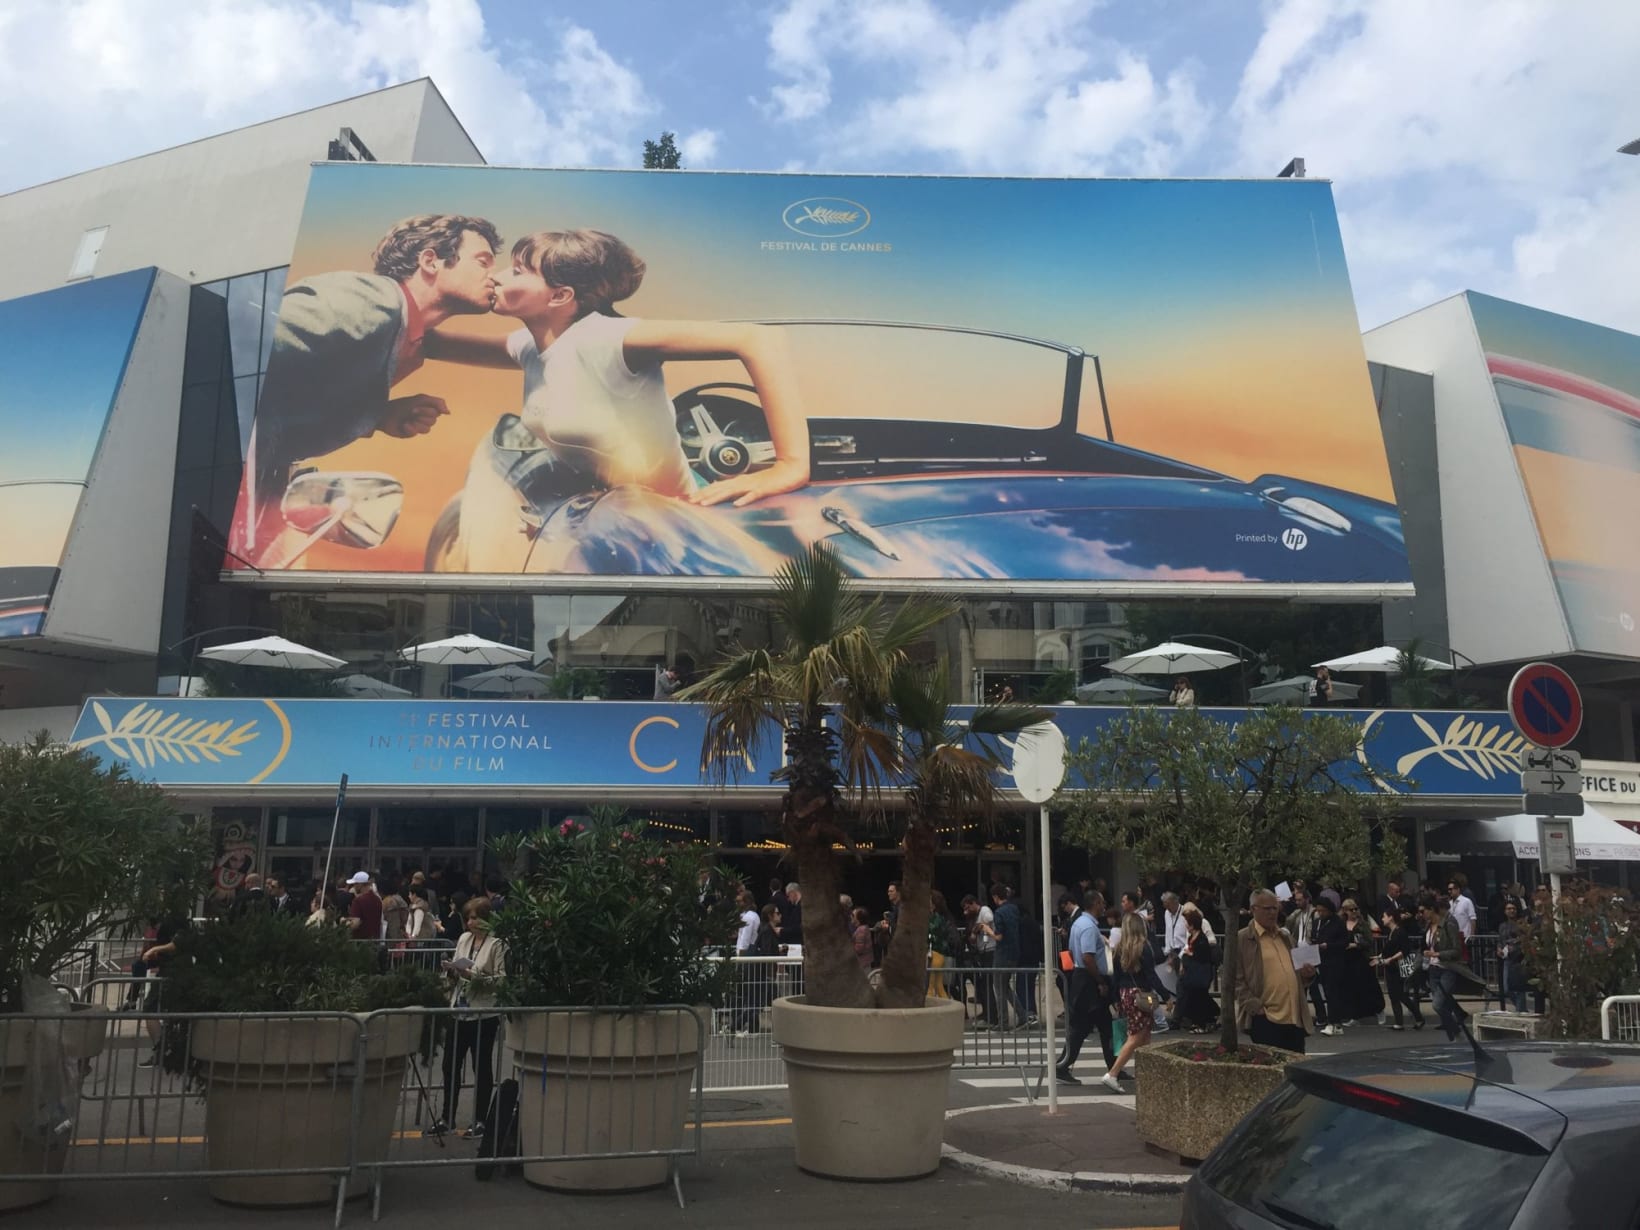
column 1583, row 950
column 605, row 915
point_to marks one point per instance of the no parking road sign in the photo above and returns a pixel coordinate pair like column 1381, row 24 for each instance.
column 1545, row 704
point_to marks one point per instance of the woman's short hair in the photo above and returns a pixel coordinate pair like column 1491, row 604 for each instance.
column 478, row 907
column 601, row 269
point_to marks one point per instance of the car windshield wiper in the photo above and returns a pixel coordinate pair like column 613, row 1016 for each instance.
column 1296, row 1217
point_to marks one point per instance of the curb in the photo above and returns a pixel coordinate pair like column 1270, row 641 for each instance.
column 1058, row 1180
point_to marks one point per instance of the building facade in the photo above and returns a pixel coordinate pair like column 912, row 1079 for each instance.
column 1124, row 452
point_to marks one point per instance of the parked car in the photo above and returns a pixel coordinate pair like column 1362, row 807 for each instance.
column 1032, row 484
column 1541, row 1134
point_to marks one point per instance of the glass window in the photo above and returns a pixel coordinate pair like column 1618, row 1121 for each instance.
column 273, row 294
column 428, row 826
column 310, row 826
column 500, row 821
column 244, row 396
column 1314, row 1162
column 245, row 300
column 744, row 830
column 219, row 289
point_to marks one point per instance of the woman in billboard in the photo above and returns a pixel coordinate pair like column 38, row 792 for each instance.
column 594, row 392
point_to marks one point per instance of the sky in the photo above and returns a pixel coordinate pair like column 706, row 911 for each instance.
column 1472, row 142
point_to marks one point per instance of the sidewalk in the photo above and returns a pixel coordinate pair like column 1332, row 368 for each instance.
column 1089, row 1145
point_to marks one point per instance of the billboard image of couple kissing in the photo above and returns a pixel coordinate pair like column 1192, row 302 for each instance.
column 486, row 372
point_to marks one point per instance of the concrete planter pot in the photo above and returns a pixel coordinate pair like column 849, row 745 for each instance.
column 1187, row 1106
column 279, row 1095
column 869, row 1086
column 603, row 1082
column 80, row 1037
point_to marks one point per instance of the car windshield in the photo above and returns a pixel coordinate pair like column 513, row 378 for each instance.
column 1317, row 1164
column 879, row 371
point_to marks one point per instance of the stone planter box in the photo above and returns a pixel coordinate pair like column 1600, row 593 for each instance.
column 1186, row 1107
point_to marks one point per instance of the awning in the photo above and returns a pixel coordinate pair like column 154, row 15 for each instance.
column 1596, row 837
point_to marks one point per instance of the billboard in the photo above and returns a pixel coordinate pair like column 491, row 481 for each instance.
column 485, row 372
column 632, row 745
column 1570, row 396
column 62, row 358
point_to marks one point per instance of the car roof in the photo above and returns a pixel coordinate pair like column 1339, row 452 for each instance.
column 1574, row 1079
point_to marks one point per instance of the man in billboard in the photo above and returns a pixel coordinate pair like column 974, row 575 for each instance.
column 344, row 339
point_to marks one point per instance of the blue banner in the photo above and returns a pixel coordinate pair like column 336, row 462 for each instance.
column 617, row 745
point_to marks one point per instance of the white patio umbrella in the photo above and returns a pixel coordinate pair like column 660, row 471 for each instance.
column 1297, row 690
column 1385, row 660
column 464, row 650
column 1118, row 691
column 507, row 680
column 273, row 651
column 1172, row 658
column 365, row 686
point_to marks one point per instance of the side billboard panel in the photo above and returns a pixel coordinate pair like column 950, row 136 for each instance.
column 500, row 372
column 1570, row 396
column 62, row 358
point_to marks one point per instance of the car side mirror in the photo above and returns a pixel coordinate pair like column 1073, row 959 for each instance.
column 351, row 509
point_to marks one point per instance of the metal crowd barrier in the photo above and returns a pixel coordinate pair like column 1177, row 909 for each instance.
column 1620, row 1018
column 302, row 1108
column 741, row 1055
column 428, row 954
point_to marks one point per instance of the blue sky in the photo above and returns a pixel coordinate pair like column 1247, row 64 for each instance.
column 1472, row 141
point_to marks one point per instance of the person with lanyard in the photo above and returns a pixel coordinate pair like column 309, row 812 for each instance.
column 480, row 962
column 1087, row 1001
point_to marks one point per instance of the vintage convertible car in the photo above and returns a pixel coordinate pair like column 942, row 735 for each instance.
column 901, row 489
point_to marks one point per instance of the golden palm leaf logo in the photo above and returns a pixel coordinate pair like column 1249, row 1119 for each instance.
column 1470, row 744
column 147, row 735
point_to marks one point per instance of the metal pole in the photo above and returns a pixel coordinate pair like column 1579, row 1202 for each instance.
column 1048, row 963
column 335, row 823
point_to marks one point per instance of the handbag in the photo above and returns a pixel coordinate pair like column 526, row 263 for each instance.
column 1146, row 1001
column 1412, row 964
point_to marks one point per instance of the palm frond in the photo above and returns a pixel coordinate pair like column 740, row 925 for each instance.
column 1006, row 719
column 815, row 600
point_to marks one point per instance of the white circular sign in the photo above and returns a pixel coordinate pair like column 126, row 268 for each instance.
column 1039, row 762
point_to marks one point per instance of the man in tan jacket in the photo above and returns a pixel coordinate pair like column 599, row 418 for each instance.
column 1270, row 994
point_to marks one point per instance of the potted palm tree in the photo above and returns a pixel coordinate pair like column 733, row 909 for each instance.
column 611, row 923
column 867, row 1062
column 88, row 851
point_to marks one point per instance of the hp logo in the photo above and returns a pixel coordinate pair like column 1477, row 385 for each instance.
column 1295, row 539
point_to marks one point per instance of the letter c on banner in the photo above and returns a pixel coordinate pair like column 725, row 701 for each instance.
column 632, row 745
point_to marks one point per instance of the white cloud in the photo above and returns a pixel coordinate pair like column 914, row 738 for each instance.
column 1029, row 89
column 700, row 147
column 1472, row 142
column 84, row 82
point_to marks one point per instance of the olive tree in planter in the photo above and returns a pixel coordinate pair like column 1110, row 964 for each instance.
column 261, row 963
column 608, row 921
column 88, row 851
column 1244, row 803
column 867, row 1064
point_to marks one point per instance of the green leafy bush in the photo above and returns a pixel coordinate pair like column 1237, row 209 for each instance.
column 606, row 916
column 86, row 849
column 263, row 962
column 1583, row 950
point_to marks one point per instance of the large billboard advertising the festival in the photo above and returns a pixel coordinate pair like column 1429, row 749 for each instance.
column 62, row 359
column 485, row 372
column 1570, row 395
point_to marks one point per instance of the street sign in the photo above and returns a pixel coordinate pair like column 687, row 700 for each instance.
column 1547, row 781
column 1545, row 704
column 1557, row 759
column 1557, row 856
column 1552, row 804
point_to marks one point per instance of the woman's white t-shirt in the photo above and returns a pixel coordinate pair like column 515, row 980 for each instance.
column 582, row 400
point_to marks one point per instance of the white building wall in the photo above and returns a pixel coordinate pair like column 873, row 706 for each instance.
column 1502, row 605
column 219, row 206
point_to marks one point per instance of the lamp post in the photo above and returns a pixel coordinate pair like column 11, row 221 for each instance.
column 1246, row 690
